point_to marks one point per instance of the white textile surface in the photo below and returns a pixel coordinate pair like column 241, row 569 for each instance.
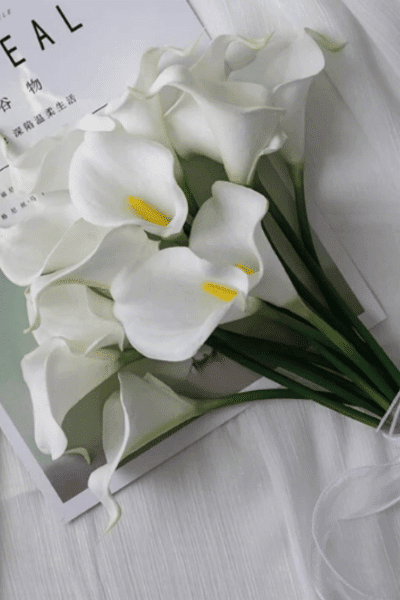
column 230, row 517
column 227, row 518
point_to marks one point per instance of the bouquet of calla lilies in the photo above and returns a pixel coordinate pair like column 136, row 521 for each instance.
column 155, row 232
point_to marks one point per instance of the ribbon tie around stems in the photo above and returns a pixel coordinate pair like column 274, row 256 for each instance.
column 357, row 554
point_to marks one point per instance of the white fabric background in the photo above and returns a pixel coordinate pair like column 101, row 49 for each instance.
column 230, row 517
column 227, row 518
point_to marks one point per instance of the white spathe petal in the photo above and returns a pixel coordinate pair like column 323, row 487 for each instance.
column 144, row 409
column 45, row 166
column 53, row 236
column 189, row 130
column 57, row 379
column 287, row 65
column 26, row 246
column 110, row 167
column 165, row 311
column 139, row 116
column 223, row 229
column 242, row 125
column 79, row 315
column 120, row 249
column 78, row 242
column 288, row 57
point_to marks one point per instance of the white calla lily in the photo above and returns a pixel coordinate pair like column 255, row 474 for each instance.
column 117, row 179
column 57, row 379
column 120, row 249
column 225, row 120
column 137, row 114
column 224, row 228
column 51, row 237
column 287, row 65
column 171, row 303
column 143, row 409
column 45, row 166
column 227, row 230
column 79, row 315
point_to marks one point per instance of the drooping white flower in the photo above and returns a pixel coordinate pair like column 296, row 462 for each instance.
column 118, row 179
column 143, row 409
column 45, row 166
column 57, row 378
column 51, row 236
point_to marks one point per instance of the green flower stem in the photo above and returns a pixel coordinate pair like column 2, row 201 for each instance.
column 353, row 376
column 206, row 406
column 316, row 339
column 275, row 394
column 375, row 377
column 201, row 407
column 300, row 325
column 305, row 293
column 299, row 364
column 296, row 171
column 323, row 398
column 323, row 312
column 332, row 297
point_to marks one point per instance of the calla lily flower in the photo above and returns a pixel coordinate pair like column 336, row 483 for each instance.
column 287, row 64
column 45, row 166
column 51, row 236
column 120, row 249
column 118, row 179
column 227, row 230
column 77, row 314
column 143, row 409
column 57, row 378
column 172, row 302
column 229, row 121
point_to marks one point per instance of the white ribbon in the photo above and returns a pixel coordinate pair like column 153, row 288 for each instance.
column 357, row 553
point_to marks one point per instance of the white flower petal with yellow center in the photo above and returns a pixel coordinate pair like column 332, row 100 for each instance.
column 227, row 231
column 116, row 179
column 143, row 409
column 171, row 303
column 120, row 249
column 224, row 228
column 79, row 315
column 57, row 379
column 51, row 236
column 45, row 166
